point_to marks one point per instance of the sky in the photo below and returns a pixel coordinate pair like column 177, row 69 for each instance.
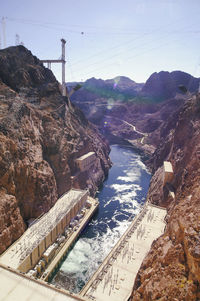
column 107, row 38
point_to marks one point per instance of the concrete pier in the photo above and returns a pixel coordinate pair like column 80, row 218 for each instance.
column 115, row 277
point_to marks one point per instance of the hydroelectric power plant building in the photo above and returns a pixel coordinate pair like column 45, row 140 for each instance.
column 35, row 256
column 37, row 245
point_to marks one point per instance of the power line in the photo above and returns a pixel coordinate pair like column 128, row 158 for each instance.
column 128, row 58
column 136, row 47
column 156, row 31
column 99, row 30
column 58, row 26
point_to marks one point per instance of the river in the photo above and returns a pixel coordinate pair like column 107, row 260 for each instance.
column 121, row 198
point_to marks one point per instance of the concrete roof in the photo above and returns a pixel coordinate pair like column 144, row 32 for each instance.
column 85, row 156
column 168, row 166
column 115, row 277
column 41, row 228
column 15, row 286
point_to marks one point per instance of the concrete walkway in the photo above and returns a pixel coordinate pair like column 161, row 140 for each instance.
column 115, row 277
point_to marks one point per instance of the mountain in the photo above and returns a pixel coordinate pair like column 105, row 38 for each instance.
column 118, row 106
column 164, row 123
column 41, row 135
column 159, row 86
column 164, row 85
column 171, row 270
column 120, row 88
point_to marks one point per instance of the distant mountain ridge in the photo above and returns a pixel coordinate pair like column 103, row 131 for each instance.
column 114, row 103
column 159, row 86
column 165, row 85
column 119, row 88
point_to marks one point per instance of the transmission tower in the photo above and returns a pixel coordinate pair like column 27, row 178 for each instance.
column 17, row 40
column 62, row 60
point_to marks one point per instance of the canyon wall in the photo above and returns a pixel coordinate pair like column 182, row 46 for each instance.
column 164, row 123
column 171, row 270
column 41, row 135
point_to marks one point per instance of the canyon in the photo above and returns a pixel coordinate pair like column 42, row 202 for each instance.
column 164, row 130
column 171, row 271
column 42, row 134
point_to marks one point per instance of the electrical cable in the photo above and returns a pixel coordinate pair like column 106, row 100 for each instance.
column 121, row 52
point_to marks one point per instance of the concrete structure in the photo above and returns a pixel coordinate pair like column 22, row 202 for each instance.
column 113, row 280
column 16, row 286
column 86, row 161
column 115, row 277
column 167, row 172
column 89, row 211
column 63, row 66
column 24, row 254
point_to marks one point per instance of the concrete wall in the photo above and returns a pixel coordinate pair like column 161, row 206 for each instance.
column 86, row 161
column 32, row 259
column 84, row 198
column 35, row 256
column 76, row 209
column 68, row 218
column 54, row 235
column 48, row 240
column 71, row 213
column 64, row 222
column 167, row 172
column 25, row 265
column 59, row 228
column 42, row 247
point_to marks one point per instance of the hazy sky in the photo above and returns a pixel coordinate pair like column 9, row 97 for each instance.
column 107, row 38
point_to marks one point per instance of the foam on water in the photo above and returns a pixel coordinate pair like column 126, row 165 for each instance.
column 121, row 197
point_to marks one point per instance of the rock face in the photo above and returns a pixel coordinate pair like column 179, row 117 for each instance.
column 164, row 85
column 171, row 271
column 124, row 110
column 169, row 124
column 41, row 135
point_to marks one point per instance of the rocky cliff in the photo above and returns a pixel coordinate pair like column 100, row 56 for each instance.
column 164, row 85
column 124, row 110
column 166, row 124
column 41, row 135
column 171, row 270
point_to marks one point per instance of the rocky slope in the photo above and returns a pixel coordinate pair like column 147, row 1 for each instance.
column 164, row 85
column 124, row 110
column 168, row 128
column 171, row 271
column 41, row 135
